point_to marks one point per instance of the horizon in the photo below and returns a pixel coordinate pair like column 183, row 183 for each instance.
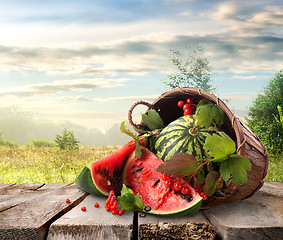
column 87, row 62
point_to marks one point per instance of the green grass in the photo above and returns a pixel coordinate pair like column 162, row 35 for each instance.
column 49, row 164
column 275, row 169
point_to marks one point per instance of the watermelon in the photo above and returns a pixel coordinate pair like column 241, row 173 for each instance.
column 182, row 136
column 139, row 174
column 105, row 174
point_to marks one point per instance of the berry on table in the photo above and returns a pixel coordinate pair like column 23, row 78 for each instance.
column 68, row 200
column 96, row 205
column 83, row 208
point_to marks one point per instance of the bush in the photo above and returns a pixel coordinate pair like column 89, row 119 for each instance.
column 264, row 115
column 8, row 143
column 67, row 141
column 38, row 143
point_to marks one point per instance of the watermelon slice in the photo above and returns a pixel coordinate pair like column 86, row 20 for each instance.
column 139, row 174
column 105, row 174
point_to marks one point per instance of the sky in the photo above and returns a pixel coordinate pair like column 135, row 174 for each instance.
column 87, row 62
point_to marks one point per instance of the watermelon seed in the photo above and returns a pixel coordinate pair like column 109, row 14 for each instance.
column 170, row 189
column 138, row 170
column 190, row 199
column 108, row 182
column 156, row 182
column 147, row 208
column 128, row 186
column 184, row 196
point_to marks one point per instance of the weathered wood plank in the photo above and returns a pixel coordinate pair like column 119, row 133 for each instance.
column 19, row 193
column 94, row 223
column 187, row 227
column 31, row 219
column 259, row 217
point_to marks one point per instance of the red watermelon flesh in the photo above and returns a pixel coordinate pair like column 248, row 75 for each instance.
column 139, row 174
column 105, row 174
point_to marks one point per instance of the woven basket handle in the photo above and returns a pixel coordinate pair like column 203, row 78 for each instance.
column 130, row 112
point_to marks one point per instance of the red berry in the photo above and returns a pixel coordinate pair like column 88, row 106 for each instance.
column 177, row 186
column 174, row 180
column 185, row 190
column 120, row 212
column 181, row 104
column 68, row 200
column 96, row 205
column 190, row 101
column 188, row 111
column 168, row 183
column 111, row 193
column 186, row 106
column 113, row 207
column 164, row 177
column 83, row 208
column 108, row 208
column 114, row 212
column 203, row 195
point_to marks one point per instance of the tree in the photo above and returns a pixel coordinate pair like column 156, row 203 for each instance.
column 67, row 141
column 193, row 70
column 265, row 115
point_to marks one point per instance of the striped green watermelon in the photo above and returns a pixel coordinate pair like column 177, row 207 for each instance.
column 182, row 136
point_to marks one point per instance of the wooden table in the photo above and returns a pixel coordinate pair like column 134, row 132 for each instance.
column 40, row 211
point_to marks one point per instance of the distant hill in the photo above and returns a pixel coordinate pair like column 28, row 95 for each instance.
column 22, row 127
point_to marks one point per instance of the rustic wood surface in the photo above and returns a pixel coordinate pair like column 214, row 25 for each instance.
column 29, row 217
column 94, row 223
column 39, row 211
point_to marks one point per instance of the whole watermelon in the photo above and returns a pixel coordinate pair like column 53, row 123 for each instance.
column 182, row 136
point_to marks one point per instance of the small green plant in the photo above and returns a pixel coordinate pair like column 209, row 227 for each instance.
column 67, row 141
column 39, row 143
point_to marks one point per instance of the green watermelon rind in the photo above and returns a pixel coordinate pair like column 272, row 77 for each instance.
column 192, row 209
column 176, row 138
column 85, row 182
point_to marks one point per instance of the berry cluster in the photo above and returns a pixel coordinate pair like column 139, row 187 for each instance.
column 189, row 107
column 178, row 186
column 111, row 204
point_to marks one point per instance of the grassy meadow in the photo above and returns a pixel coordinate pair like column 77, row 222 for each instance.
column 29, row 164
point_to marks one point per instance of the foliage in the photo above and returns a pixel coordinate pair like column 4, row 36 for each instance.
column 38, row 143
column 264, row 115
column 67, row 141
column 193, row 70
column 7, row 143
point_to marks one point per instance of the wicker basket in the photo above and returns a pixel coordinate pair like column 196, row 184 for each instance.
column 248, row 144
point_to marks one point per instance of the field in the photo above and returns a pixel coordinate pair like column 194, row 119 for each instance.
column 50, row 164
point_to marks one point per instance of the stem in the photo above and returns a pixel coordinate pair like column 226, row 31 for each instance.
column 194, row 173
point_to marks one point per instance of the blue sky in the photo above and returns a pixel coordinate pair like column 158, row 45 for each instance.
column 88, row 61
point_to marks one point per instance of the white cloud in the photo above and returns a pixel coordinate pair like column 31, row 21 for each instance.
column 77, row 85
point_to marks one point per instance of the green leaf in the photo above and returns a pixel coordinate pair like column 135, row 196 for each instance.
column 138, row 152
column 219, row 146
column 139, row 203
column 129, row 201
column 181, row 164
column 203, row 115
column 237, row 166
column 128, row 132
column 152, row 120
column 207, row 112
column 211, row 181
column 219, row 116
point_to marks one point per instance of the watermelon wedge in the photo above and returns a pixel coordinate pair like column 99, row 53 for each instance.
column 105, row 174
column 139, row 174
